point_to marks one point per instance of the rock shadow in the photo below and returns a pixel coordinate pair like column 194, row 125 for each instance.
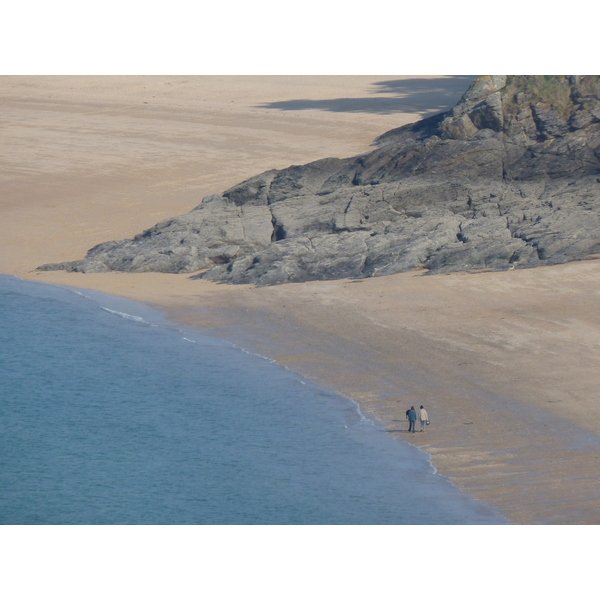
column 412, row 95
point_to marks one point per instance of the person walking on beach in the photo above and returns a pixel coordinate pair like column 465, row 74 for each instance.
column 423, row 417
column 412, row 418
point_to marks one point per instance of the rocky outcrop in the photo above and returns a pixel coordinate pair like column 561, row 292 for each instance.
column 510, row 178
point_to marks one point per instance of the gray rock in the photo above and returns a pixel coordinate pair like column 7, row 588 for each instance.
column 510, row 178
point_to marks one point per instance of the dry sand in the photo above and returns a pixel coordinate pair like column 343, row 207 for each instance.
column 506, row 362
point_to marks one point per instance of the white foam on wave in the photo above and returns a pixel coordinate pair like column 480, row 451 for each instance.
column 125, row 315
column 363, row 418
column 271, row 360
column 119, row 313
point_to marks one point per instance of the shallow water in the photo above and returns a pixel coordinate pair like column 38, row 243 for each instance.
column 109, row 414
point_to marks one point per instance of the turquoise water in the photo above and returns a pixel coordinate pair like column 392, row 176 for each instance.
column 109, row 414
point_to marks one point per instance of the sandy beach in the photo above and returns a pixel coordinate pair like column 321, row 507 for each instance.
column 506, row 363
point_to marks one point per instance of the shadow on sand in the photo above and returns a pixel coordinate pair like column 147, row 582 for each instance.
column 413, row 95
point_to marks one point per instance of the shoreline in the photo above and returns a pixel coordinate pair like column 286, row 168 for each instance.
column 496, row 467
column 111, row 302
column 506, row 363
column 490, row 434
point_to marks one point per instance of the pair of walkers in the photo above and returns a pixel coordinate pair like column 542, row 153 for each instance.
column 412, row 416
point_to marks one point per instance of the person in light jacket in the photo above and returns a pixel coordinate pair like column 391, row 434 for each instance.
column 423, row 417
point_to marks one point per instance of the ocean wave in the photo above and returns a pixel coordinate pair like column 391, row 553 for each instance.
column 271, row 360
column 126, row 316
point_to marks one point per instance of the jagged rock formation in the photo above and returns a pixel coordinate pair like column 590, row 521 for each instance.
column 509, row 178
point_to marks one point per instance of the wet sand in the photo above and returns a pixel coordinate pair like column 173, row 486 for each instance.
column 506, row 363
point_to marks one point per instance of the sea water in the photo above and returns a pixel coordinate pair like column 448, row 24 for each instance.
column 110, row 414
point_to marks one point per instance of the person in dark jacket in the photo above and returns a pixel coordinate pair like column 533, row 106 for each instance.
column 412, row 418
